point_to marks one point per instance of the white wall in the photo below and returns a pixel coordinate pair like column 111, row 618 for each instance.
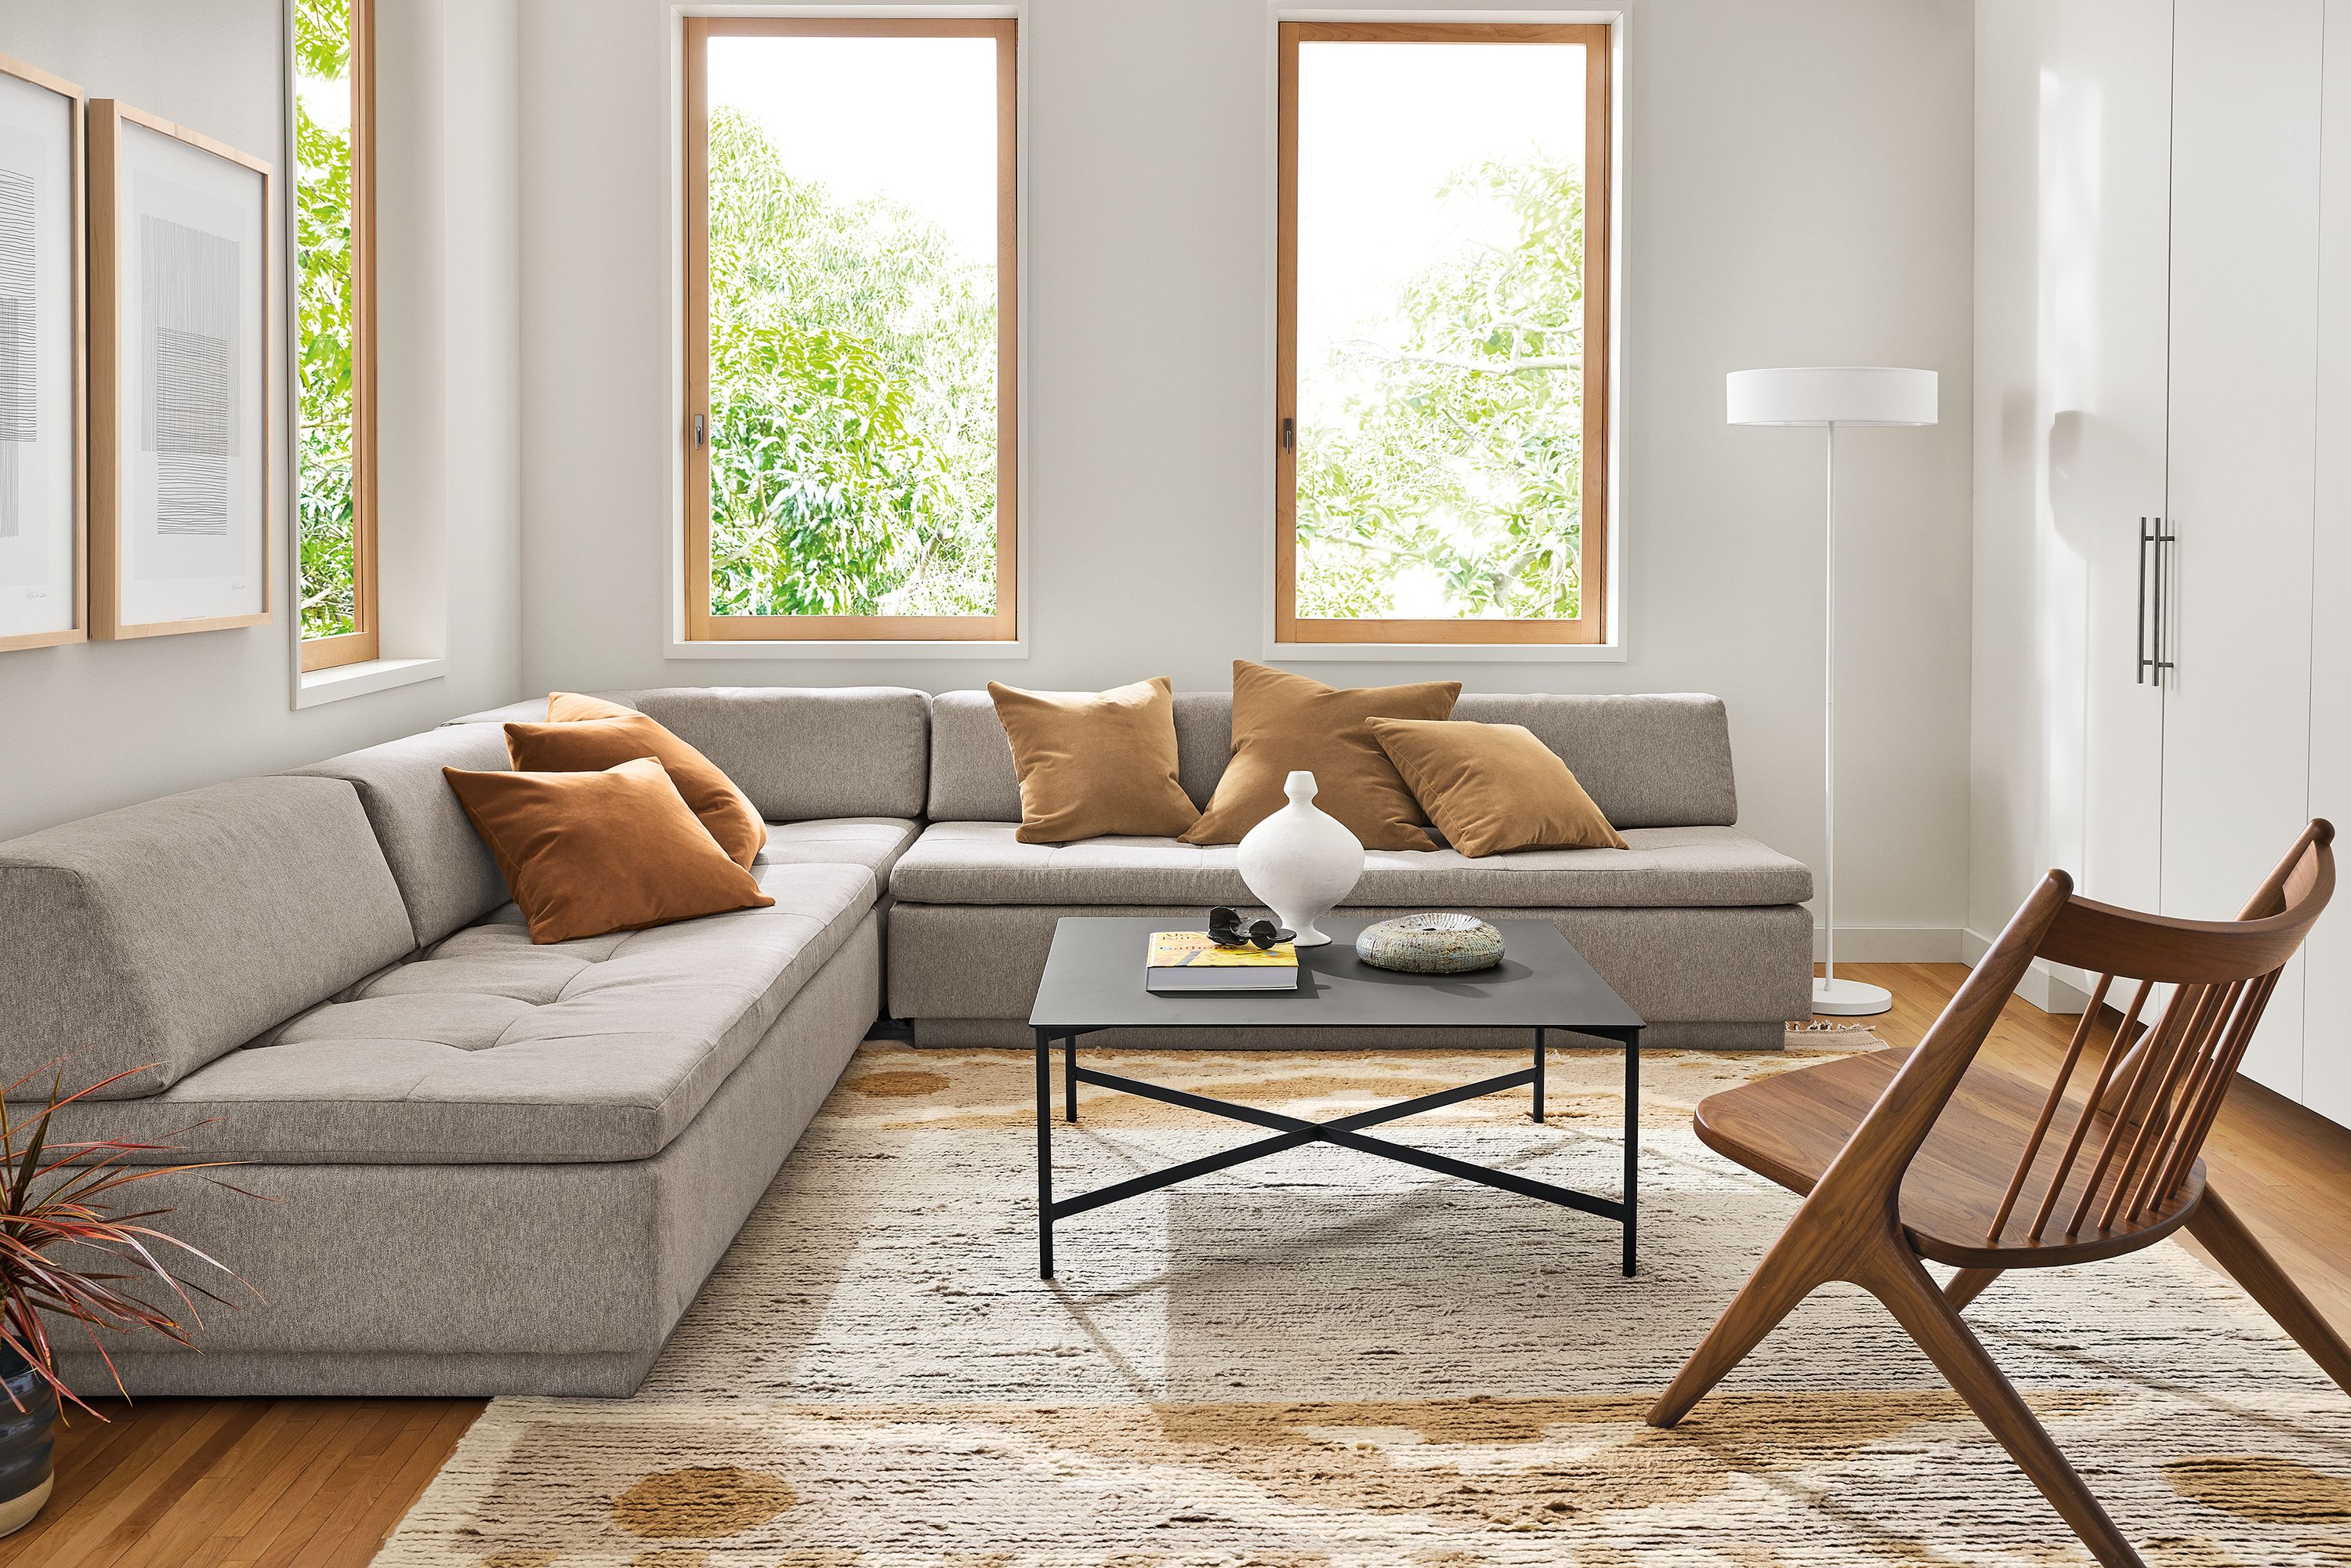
column 1797, row 186
column 98, row 725
column 1797, row 191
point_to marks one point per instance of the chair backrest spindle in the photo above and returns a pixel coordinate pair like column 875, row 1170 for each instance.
column 2085, row 1120
column 2049, row 1107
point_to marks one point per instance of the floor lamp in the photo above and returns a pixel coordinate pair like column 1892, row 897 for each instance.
column 1831, row 396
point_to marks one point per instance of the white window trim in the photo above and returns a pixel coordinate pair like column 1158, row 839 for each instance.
column 317, row 687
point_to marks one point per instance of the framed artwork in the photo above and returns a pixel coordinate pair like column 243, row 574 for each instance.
column 181, row 379
column 44, row 523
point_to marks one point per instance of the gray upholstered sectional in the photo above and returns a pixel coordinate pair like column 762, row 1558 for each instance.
column 1696, row 925
column 479, row 1165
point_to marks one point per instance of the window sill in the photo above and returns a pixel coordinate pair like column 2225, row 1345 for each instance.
column 858, row 649
column 1446, row 652
column 317, row 687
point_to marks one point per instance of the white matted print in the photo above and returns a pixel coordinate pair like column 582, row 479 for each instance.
column 180, row 379
column 42, row 536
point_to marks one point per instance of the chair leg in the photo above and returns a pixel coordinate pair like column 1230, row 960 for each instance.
column 1770, row 1293
column 1910, row 1294
column 1967, row 1285
column 2216, row 1225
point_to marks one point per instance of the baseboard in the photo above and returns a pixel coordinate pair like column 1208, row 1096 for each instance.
column 2047, row 986
column 1893, row 945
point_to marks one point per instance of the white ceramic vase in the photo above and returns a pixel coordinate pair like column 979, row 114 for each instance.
column 1300, row 862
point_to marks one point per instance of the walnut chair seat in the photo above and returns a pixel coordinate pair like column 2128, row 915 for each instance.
column 1789, row 1127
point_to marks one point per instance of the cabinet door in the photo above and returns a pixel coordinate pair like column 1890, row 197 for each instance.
column 2327, row 1030
column 2244, row 328
column 2106, row 135
column 2072, row 288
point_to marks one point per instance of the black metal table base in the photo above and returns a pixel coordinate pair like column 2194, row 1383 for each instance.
column 1345, row 1132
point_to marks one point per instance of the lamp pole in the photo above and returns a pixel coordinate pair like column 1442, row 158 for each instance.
column 1830, row 395
column 1829, row 763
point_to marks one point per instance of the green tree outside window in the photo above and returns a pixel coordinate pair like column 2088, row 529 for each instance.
column 852, row 398
column 1451, row 440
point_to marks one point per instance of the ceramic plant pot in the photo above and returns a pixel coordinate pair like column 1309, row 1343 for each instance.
column 1299, row 862
column 24, row 1427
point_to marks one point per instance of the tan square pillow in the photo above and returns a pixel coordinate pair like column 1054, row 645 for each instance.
column 587, row 733
column 1494, row 787
column 618, row 850
column 1282, row 722
column 1095, row 762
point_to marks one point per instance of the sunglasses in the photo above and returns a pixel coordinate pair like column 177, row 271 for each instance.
column 1225, row 930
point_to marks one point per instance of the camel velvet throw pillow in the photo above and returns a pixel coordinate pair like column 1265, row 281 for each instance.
column 1494, row 787
column 1283, row 722
column 1095, row 762
column 587, row 733
column 618, row 850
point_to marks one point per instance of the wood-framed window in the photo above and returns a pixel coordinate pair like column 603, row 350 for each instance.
column 334, row 347
column 849, row 434
column 1441, row 357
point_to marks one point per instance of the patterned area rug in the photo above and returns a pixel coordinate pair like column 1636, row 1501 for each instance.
column 1330, row 1359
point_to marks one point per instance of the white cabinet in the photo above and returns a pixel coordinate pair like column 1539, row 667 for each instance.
column 2164, row 331
column 2107, row 225
column 2327, row 1014
column 2245, row 139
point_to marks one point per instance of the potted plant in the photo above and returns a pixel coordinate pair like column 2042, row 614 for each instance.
column 71, row 1251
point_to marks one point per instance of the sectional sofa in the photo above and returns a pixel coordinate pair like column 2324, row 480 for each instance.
column 478, row 1165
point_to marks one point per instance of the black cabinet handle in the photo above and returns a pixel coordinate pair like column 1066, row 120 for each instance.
column 2163, row 538
column 2138, row 647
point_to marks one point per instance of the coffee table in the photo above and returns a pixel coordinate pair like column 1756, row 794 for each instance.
column 1093, row 980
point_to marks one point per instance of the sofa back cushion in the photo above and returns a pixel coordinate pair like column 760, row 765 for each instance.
column 171, row 933
column 800, row 753
column 1648, row 761
column 446, row 877
column 1659, row 761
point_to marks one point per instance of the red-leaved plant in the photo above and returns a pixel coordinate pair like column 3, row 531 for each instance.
column 70, row 1250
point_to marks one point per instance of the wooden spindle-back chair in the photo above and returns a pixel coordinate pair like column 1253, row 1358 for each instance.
column 1930, row 1154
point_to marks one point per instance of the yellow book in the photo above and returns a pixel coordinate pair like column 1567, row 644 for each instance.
column 1186, row 961
column 1192, row 949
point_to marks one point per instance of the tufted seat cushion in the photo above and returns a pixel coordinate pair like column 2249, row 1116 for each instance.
column 1696, row 867
column 488, row 1049
column 873, row 843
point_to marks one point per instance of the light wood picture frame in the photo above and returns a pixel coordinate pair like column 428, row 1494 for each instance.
column 44, row 501
column 183, row 380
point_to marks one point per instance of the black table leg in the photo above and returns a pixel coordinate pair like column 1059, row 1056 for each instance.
column 1632, row 1143
column 1539, row 1074
column 1045, row 1155
column 1070, row 1073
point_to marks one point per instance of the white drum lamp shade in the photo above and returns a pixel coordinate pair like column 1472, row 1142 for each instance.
column 1829, row 396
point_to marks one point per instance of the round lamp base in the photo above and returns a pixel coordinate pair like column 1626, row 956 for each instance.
column 1850, row 999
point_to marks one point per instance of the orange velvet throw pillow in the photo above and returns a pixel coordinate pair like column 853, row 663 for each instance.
column 1494, row 787
column 586, row 734
column 1283, row 722
column 1095, row 762
column 618, row 850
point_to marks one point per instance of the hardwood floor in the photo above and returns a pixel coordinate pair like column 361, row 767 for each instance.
column 317, row 1483
column 238, row 1483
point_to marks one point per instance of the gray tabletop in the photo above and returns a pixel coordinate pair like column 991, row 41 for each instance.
column 1093, row 979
